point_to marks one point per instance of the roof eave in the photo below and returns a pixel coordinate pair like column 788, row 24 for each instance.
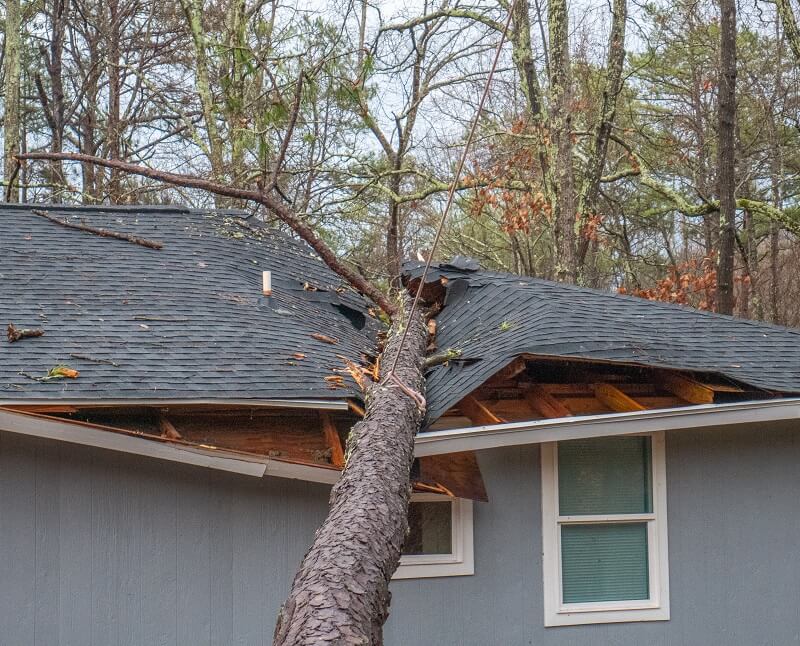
column 572, row 428
column 318, row 404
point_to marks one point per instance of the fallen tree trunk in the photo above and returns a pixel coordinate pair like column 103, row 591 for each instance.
column 341, row 595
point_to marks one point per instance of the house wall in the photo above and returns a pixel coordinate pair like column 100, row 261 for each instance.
column 102, row 548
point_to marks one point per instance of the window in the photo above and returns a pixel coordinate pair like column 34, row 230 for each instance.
column 439, row 541
column 604, row 530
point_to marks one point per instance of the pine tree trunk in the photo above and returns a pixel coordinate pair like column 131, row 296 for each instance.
column 341, row 592
column 726, row 156
column 11, row 123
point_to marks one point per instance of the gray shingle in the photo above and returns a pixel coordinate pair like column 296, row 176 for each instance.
column 185, row 322
column 495, row 317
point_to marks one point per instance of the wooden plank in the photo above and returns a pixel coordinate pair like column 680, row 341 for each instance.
column 167, row 428
column 456, row 473
column 355, row 408
column 687, row 389
column 543, row 403
column 477, row 412
column 615, row 399
column 333, row 440
column 511, row 371
column 633, row 388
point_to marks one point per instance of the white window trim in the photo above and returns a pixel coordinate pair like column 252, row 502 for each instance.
column 460, row 562
column 656, row 608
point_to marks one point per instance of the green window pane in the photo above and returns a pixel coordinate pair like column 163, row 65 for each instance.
column 610, row 475
column 604, row 562
column 430, row 528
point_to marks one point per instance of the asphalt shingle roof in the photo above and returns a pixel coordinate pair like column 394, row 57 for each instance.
column 188, row 321
column 493, row 318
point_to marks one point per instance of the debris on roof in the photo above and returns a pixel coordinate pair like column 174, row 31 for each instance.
column 187, row 322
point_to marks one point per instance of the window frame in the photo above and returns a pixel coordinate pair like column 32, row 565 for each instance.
column 460, row 561
column 656, row 607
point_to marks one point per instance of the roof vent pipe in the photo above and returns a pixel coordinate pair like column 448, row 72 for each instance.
column 267, row 283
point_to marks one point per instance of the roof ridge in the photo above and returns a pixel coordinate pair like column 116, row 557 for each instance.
column 615, row 295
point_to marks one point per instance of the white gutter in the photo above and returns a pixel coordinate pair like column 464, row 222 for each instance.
column 317, row 404
column 219, row 459
column 572, row 428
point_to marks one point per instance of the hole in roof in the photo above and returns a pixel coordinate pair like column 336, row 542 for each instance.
column 354, row 316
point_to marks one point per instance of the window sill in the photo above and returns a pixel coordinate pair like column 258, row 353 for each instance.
column 582, row 617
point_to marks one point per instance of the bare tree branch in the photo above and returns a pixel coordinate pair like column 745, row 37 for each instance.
column 284, row 213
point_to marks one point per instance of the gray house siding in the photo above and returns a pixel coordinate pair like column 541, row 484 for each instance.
column 98, row 548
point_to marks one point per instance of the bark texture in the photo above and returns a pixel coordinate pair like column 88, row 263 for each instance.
column 726, row 159
column 341, row 592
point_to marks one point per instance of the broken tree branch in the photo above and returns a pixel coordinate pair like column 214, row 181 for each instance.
column 15, row 334
column 105, row 233
column 283, row 212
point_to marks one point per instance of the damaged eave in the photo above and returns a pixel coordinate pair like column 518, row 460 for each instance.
column 115, row 439
column 606, row 425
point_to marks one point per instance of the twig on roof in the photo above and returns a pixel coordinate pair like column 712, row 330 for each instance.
column 15, row 334
column 443, row 357
column 86, row 357
column 105, row 233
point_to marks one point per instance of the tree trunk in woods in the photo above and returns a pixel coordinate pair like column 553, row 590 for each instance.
column 113, row 129
column 598, row 148
column 341, row 592
column 790, row 28
column 53, row 102
column 193, row 9
column 522, row 55
column 561, row 141
column 727, row 156
column 11, row 125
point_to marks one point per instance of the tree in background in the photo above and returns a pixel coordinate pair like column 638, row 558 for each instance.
column 726, row 155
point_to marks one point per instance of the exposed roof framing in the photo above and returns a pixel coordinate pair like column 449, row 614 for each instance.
column 493, row 319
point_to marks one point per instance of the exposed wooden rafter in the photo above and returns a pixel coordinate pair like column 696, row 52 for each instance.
column 687, row 389
column 615, row 399
column 543, row 403
column 167, row 428
column 333, row 440
column 478, row 413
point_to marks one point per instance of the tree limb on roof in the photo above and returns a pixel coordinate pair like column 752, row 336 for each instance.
column 105, row 233
column 283, row 212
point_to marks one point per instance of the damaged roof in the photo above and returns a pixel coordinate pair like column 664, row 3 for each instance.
column 187, row 321
column 492, row 318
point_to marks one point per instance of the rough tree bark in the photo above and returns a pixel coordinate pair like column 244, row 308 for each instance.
column 341, row 593
column 727, row 156
column 11, row 122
